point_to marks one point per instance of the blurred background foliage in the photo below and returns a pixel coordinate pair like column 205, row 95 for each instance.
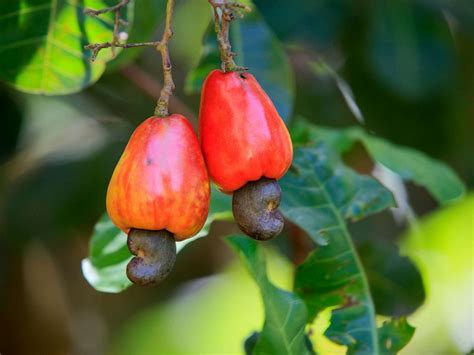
column 402, row 68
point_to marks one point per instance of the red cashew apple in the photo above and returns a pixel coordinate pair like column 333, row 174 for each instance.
column 247, row 147
column 158, row 193
column 242, row 135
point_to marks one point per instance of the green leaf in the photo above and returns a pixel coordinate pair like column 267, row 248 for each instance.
column 250, row 343
column 395, row 282
column 411, row 165
column 319, row 194
column 42, row 44
column 394, row 335
column 285, row 313
column 261, row 52
column 437, row 177
column 105, row 269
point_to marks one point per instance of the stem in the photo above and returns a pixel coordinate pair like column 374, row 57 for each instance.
column 117, row 22
column 97, row 47
column 161, row 109
column 222, row 23
column 227, row 56
column 115, row 8
column 161, row 46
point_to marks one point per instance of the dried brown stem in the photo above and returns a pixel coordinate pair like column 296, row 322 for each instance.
column 228, row 11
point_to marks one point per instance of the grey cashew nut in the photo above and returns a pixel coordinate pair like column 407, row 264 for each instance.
column 255, row 208
column 155, row 254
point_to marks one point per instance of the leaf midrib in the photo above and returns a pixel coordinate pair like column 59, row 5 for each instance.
column 280, row 327
column 365, row 284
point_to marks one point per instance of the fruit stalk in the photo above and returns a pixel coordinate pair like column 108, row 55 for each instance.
column 161, row 109
column 222, row 27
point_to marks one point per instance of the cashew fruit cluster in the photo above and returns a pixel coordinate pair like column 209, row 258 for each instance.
column 159, row 192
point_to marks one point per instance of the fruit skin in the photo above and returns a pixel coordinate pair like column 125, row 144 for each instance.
column 243, row 138
column 160, row 182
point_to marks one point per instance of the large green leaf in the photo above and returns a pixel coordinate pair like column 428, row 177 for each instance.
column 285, row 313
column 319, row 194
column 395, row 282
column 105, row 269
column 438, row 178
column 42, row 44
column 261, row 52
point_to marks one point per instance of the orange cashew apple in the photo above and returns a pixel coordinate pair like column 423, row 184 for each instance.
column 158, row 193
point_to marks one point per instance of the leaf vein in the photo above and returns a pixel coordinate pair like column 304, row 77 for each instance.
column 25, row 11
column 327, row 260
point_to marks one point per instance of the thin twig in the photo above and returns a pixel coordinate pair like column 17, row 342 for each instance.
column 92, row 12
column 222, row 21
column 97, row 47
column 116, row 31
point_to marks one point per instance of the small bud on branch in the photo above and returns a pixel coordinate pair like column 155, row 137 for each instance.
column 116, row 32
